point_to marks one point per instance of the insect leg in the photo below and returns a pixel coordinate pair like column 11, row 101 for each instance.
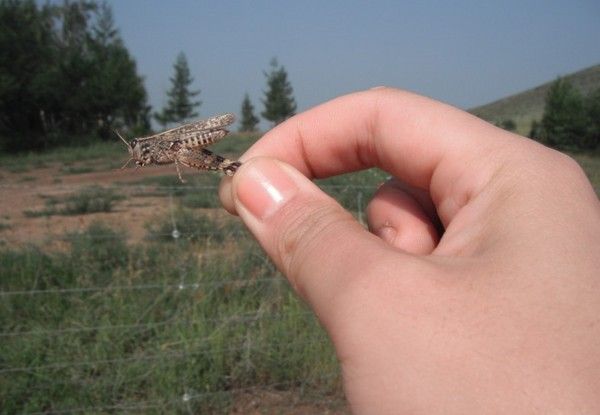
column 178, row 171
column 125, row 165
column 203, row 159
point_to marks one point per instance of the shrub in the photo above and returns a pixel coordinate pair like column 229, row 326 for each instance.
column 90, row 200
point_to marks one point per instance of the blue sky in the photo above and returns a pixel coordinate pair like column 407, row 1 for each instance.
column 466, row 53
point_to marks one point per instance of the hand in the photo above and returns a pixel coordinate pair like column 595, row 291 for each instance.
column 478, row 290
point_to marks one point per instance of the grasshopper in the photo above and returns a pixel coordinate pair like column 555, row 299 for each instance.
column 184, row 145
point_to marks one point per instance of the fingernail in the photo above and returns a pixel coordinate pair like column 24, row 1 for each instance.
column 264, row 188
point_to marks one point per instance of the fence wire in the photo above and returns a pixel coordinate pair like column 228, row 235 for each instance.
column 263, row 334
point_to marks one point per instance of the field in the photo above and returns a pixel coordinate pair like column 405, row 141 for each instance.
column 125, row 290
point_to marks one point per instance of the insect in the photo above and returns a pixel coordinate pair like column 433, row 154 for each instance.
column 184, row 145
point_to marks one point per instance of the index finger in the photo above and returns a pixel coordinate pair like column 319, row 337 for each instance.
column 424, row 143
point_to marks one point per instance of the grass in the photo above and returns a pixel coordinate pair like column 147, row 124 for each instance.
column 158, row 321
column 77, row 169
column 90, row 199
column 76, row 159
column 18, row 163
column 190, row 226
column 168, row 325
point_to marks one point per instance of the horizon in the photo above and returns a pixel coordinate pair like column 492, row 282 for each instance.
column 466, row 55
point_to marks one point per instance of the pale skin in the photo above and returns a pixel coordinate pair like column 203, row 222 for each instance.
column 476, row 288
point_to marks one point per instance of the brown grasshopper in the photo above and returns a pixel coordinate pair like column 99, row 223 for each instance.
column 184, row 144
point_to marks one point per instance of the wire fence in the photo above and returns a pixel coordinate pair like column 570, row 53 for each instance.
column 191, row 319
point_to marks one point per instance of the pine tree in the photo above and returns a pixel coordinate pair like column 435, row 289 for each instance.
column 249, row 121
column 279, row 102
column 64, row 74
column 564, row 121
column 180, row 106
column 592, row 107
column 115, row 92
column 26, row 45
column 534, row 131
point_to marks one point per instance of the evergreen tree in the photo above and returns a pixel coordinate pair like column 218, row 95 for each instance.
column 508, row 125
column 534, row 131
column 26, row 42
column 592, row 106
column 564, row 121
column 180, row 106
column 74, row 67
column 64, row 73
column 278, row 101
column 249, row 121
column 115, row 92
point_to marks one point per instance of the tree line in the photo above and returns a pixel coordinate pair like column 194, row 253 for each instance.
column 279, row 101
column 67, row 77
column 64, row 73
column 571, row 119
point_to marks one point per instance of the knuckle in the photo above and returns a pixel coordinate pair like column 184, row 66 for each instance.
column 568, row 164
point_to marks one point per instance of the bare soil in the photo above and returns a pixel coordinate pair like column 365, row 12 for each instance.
column 27, row 191
column 284, row 402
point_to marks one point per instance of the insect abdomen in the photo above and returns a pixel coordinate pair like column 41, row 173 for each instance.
column 203, row 138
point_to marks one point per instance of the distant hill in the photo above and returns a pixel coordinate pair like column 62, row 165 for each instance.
column 527, row 106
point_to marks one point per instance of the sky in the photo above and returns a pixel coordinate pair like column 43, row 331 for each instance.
column 465, row 53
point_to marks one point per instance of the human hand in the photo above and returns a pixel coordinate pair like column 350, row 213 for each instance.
column 481, row 293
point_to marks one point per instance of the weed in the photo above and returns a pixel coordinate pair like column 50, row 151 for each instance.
column 18, row 168
column 125, row 326
column 201, row 199
column 98, row 248
column 22, row 162
column 187, row 225
column 91, row 199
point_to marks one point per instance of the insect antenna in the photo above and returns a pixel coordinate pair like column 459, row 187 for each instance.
column 128, row 148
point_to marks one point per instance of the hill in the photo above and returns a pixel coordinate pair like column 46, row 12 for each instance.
column 528, row 105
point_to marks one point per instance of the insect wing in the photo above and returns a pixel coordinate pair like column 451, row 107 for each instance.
column 213, row 123
column 216, row 122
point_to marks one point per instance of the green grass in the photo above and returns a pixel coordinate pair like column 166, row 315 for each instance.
column 190, row 226
column 23, row 162
column 107, row 326
column 157, row 321
column 90, row 199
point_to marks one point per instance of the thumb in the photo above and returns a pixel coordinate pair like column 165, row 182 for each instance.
column 317, row 244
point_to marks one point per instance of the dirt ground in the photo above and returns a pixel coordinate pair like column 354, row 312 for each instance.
column 280, row 402
column 27, row 191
